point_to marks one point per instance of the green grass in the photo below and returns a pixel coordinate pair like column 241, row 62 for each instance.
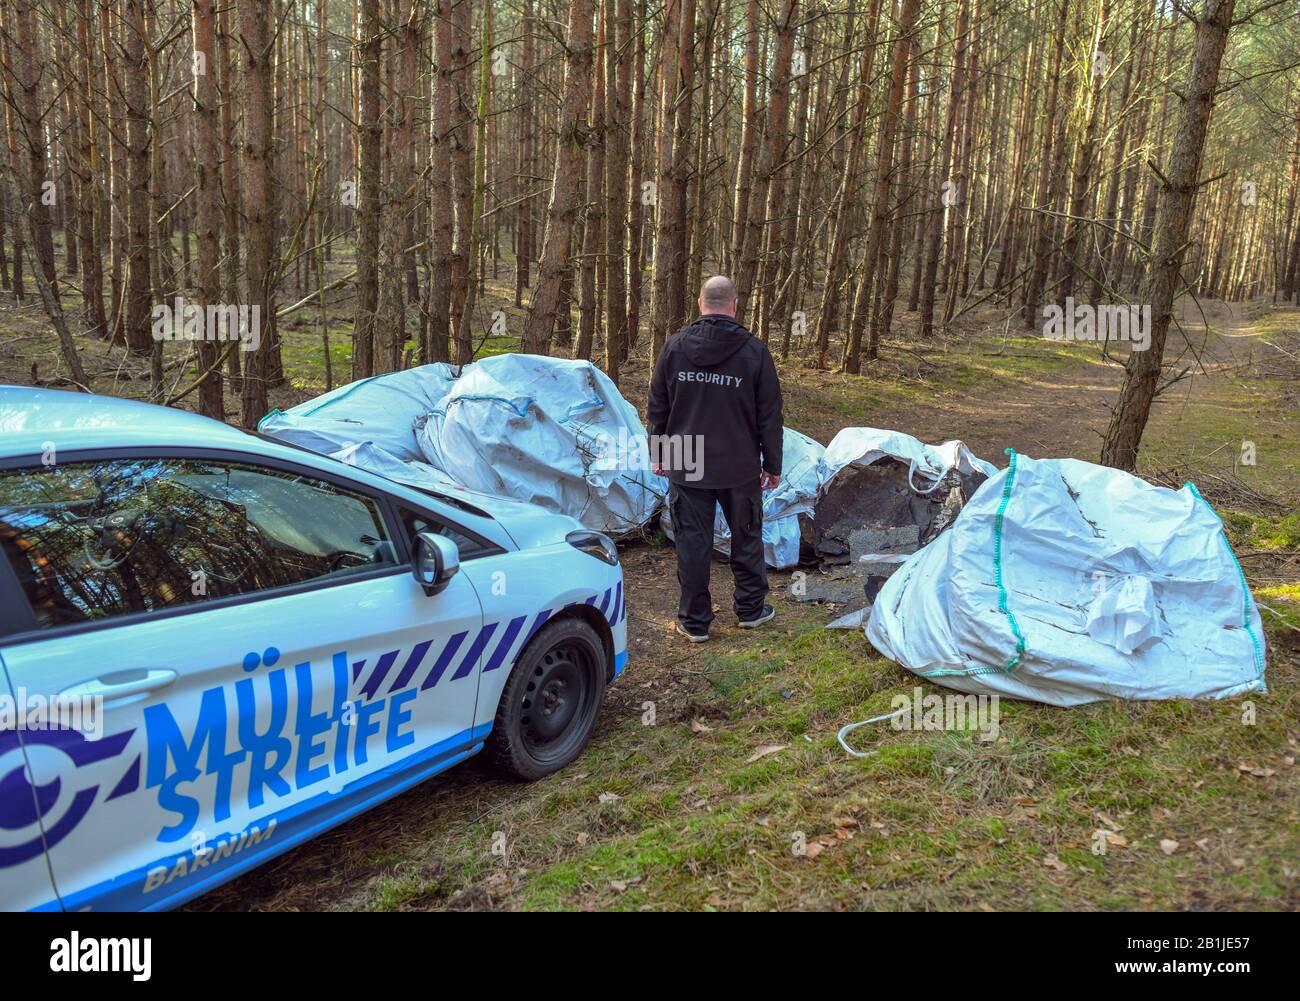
column 985, row 362
column 1257, row 531
column 932, row 820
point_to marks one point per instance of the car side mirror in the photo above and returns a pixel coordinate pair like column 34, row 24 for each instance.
column 436, row 561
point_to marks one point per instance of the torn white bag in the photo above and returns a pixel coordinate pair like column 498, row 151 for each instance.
column 861, row 446
column 552, row 431
column 1067, row 582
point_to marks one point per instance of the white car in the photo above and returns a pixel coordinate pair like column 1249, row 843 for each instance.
column 216, row 646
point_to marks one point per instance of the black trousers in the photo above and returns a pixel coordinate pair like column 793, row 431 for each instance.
column 692, row 514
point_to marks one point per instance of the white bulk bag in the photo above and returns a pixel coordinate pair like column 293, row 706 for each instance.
column 862, row 446
column 381, row 410
column 1067, row 582
column 552, row 431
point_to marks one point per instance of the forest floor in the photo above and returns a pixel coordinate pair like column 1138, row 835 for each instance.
column 711, row 763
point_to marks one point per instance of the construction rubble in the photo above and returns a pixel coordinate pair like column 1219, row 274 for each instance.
column 1054, row 580
column 883, row 495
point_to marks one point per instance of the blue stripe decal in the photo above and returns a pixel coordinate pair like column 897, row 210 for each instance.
column 604, row 601
column 409, row 668
column 620, row 662
column 507, row 641
column 128, row 783
column 476, row 651
column 371, row 687
column 444, row 659
column 618, row 605
column 538, row 622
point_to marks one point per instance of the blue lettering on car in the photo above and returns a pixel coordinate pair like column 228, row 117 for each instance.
column 324, row 740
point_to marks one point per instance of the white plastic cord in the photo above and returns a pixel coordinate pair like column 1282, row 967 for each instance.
column 911, row 469
column 854, row 726
column 911, row 472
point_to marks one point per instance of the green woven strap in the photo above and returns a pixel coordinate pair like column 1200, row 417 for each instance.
column 1003, row 605
column 1245, row 590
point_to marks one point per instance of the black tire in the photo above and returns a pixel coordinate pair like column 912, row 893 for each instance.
column 550, row 703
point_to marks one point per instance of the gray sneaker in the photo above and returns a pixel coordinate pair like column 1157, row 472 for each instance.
column 693, row 637
column 766, row 615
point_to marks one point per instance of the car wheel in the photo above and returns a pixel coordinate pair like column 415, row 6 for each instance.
column 550, row 703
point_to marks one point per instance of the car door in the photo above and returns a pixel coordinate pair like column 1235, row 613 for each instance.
column 247, row 652
column 25, row 881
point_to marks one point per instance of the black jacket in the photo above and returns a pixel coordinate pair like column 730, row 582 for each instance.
column 716, row 380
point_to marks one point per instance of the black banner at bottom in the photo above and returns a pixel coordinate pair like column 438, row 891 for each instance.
column 331, row 951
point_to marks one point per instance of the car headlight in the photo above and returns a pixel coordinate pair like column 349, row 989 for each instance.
column 595, row 544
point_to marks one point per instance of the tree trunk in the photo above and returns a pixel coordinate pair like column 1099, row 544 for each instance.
column 32, row 123
column 441, row 206
column 527, row 137
column 207, row 157
column 1142, row 372
column 462, row 172
column 230, row 191
column 618, row 34
column 636, row 195
column 139, row 284
column 92, row 264
column 593, row 224
column 256, row 49
column 563, row 206
column 464, row 340
column 370, row 140
column 748, row 136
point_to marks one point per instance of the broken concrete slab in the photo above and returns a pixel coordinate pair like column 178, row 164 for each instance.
column 873, row 509
column 872, row 540
column 840, row 587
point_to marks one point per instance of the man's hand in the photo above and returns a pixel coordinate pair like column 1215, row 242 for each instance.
column 767, row 481
column 657, row 469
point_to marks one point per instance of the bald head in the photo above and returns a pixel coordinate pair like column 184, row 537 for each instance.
column 718, row 295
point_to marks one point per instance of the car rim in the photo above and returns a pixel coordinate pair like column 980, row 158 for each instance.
column 557, row 702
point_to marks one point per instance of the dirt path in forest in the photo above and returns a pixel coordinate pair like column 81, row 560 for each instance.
column 1065, row 413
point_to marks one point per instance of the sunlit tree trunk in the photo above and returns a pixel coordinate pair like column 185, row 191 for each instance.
column 1142, row 372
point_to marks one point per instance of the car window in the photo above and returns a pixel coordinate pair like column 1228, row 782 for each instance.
column 470, row 547
column 91, row 540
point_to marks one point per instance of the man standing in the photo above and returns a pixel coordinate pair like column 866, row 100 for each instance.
column 716, row 384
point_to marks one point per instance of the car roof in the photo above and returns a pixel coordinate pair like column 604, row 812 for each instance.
column 32, row 419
